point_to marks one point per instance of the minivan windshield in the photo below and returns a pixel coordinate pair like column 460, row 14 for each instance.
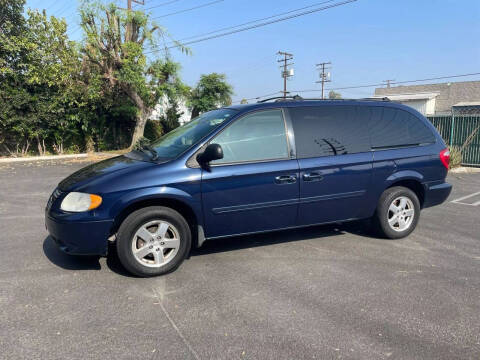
column 180, row 139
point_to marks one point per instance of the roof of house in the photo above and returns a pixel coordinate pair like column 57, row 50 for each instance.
column 449, row 94
column 467, row 103
column 407, row 97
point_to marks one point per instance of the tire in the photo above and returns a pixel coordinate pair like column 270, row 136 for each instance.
column 391, row 218
column 153, row 241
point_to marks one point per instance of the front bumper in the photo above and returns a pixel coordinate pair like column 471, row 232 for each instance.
column 436, row 194
column 80, row 237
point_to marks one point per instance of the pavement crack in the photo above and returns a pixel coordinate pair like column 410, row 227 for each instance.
column 175, row 327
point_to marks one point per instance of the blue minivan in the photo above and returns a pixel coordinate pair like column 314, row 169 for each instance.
column 277, row 164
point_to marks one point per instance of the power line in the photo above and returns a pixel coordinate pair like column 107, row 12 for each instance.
column 255, row 21
column 258, row 25
column 436, row 78
column 162, row 4
column 258, row 97
column 394, row 83
column 189, row 9
column 370, row 85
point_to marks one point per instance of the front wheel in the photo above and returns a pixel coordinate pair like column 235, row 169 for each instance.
column 153, row 241
column 397, row 214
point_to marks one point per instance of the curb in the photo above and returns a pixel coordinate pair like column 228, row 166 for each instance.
column 465, row 170
column 37, row 158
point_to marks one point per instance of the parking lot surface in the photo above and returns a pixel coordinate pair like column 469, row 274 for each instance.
column 325, row 292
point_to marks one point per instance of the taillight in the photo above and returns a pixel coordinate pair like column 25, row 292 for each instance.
column 445, row 157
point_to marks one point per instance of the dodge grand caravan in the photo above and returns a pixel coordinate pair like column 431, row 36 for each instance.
column 277, row 164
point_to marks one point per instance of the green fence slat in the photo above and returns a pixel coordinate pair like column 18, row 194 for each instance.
column 463, row 126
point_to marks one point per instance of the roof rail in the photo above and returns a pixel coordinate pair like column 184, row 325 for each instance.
column 299, row 98
column 282, row 98
column 376, row 99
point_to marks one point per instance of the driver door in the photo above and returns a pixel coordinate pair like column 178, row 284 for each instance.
column 255, row 186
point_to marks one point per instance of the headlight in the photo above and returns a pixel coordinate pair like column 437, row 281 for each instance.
column 78, row 202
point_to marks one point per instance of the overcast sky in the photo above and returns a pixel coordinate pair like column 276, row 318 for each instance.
column 367, row 41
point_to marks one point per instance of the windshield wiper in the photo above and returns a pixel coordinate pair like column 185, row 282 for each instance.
column 151, row 150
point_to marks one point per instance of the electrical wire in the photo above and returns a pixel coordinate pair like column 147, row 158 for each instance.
column 383, row 84
column 162, row 4
column 365, row 86
column 257, row 97
column 258, row 25
column 189, row 9
column 255, row 21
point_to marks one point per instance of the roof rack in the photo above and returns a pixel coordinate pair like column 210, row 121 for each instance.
column 299, row 98
column 282, row 98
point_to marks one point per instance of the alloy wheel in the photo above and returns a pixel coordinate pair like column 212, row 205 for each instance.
column 401, row 213
column 155, row 243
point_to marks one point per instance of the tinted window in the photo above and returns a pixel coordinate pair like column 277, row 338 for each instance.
column 259, row 136
column 328, row 130
column 391, row 127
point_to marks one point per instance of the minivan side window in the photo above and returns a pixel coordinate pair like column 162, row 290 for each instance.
column 256, row 137
column 390, row 127
column 328, row 130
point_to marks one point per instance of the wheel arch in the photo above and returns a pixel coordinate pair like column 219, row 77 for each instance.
column 181, row 207
column 413, row 184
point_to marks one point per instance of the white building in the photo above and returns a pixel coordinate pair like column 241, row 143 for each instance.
column 163, row 105
column 424, row 103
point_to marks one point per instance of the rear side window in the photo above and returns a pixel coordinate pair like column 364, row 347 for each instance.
column 328, row 130
column 256, row 137
column 390, row 127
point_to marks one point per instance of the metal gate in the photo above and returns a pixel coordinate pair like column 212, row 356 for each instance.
column 456, row 129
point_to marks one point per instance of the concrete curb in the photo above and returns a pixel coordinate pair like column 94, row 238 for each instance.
column 37, row 158
column 465, row 170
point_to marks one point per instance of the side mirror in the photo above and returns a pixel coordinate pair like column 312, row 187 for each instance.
column 211, row 152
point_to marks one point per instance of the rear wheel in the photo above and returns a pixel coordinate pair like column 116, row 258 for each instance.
column 153, row 241
column 397, row 213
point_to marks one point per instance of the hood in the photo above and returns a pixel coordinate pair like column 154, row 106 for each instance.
column 103, row 168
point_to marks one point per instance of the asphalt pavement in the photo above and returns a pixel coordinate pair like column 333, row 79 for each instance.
column 327, row 292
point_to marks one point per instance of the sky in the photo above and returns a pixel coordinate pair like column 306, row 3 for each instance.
column 367, row 41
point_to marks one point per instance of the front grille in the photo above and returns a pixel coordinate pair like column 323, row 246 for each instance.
column 55, row 195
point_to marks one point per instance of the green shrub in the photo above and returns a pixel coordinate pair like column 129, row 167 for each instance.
column 455, row 157
column 153, row 130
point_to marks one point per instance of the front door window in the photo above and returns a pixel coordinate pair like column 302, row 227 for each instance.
column 259, row 136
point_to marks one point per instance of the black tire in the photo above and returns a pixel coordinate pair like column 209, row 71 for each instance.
column 380, row 219
column 135, row 221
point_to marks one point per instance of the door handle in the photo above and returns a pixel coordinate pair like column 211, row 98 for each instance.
column 314, row 176
column 286, row 179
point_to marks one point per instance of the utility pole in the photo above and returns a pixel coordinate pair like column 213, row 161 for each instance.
column 129, row 3
column 286, row 72
column 129, row 8
column 324, row 77
column 388, row 82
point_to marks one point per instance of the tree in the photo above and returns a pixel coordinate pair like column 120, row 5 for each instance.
column 334, row 95
column 37, row 66
column 171, row 119
column 244, row 101
column 114, row 45
column 211, row 91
